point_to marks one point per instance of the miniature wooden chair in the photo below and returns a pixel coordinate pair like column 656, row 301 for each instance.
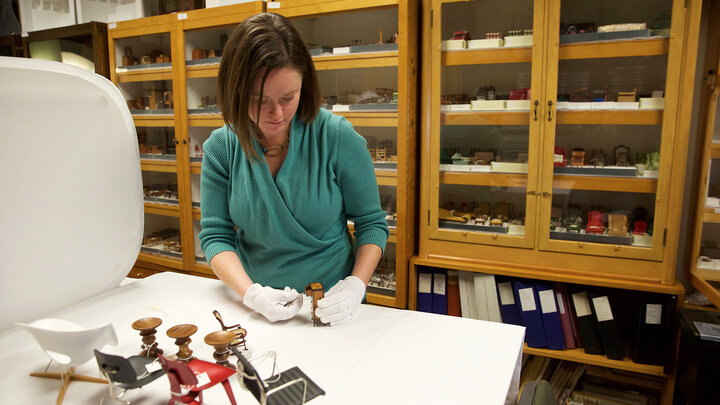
column 184, row 384
column 289, row 387
column 70, row 345
column 125, row 373
column 316, row 291
column 238, row 330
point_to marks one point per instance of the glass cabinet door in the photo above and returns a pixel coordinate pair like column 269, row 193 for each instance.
column 708, row 252
column 608, row 127
column 486, row 82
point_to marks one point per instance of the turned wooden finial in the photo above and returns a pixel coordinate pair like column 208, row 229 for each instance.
column 220, row 340
column 181, row 334
column 148, row 328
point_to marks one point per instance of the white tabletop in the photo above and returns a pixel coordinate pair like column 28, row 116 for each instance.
column 383, row 356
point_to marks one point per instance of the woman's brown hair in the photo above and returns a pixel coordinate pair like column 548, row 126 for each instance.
column 262, row 43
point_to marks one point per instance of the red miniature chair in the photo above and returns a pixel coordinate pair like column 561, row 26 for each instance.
column 186, row 388
column 640, row 227
column 595, row 222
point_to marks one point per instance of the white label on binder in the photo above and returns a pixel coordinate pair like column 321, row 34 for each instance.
column 527, row 300
column 653, row 314
column 439, row 284
column 582, row 307
column 182, row 16
column 547, row 301
column 602, row 309
column 425, row 283
column 203, row 379
column 506, row 294
column 273, row 4
column 717, row 210
column 561, row 307
column 112, row 26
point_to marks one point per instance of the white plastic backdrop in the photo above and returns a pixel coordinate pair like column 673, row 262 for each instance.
column 71, row 205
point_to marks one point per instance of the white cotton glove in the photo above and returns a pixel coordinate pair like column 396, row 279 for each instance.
column 273, row 304
column 341, row 301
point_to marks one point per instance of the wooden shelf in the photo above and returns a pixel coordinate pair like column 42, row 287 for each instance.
column 356, row 60
column 154, row 121
column 161, row 260
column 715, row 150
column 709, row 289
column 193, row 72
column 580, row 50
column 646, row 117
column 579, row 355
column 615, row 49
column 145, row 75
column 484, row 179
column 370, row 119
column 485, row 118
column 162, row 209
column 211, row 120
column 622, row 184
column 708, row 275
column 165, row 166
column 380, row 299
column 486, row 56
column 709, row 215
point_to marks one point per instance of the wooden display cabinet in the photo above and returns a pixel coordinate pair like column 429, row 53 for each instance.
column 704, row 266
column 504, row 110
column 193, row 41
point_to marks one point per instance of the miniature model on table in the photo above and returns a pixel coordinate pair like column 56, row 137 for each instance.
column 282, row 178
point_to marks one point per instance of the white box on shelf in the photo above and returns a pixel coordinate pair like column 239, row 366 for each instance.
column 520, row 40
column 562, row 105
column 653, row 174
column 341, row 50
column 484, row 43
column 509, row 167
column 220, row 3
column 38, row 15
column 517, row 105
column 453, row 45
column 488, row 105
column 602, row 105
column 652, row 103
column 580, row 106
column 458, row 107
column 627, row 105
column 642, row 240
column 341, row 107
column 108, row 11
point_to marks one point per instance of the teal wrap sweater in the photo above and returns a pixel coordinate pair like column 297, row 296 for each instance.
column 292, row 229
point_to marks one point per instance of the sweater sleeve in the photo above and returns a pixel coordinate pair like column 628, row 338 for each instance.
column 359, row 187
column 218, row 233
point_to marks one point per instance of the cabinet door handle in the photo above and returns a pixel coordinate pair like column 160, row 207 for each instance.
column 184, row 141
column 546, row 194
column 536, row 104
column 550, row 103
column 531, row 192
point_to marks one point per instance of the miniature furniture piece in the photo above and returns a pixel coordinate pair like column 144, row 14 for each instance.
column 126, row 373
column 148, row 328
column 181, row 334
column 595, row 222
column 221, row 340
column 316, row 291
column 289, row 387
column 188, row 380
column 239, row 331
column 69, row 345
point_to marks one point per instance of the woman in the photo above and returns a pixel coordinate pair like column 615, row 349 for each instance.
column 280, row 180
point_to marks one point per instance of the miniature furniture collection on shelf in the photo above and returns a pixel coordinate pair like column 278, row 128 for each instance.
column 166, row 67
column 556, row 155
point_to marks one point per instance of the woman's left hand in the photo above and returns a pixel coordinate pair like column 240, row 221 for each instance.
column 341, row 301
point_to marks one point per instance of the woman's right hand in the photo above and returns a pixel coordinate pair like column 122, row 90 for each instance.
column 273, row 304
